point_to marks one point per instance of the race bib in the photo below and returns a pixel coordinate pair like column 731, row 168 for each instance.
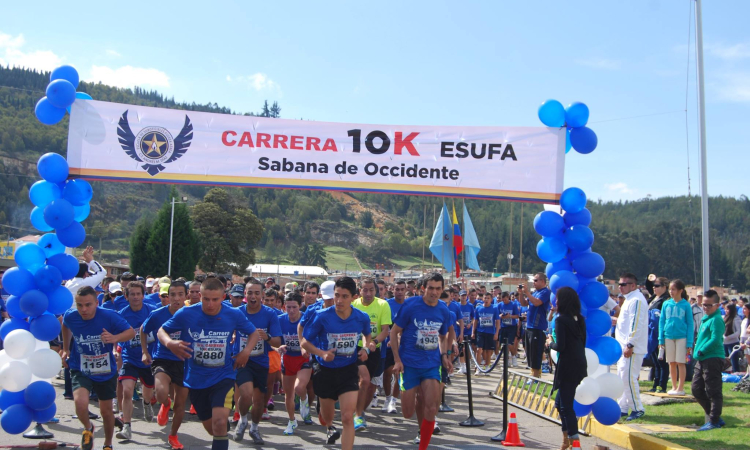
column 427, row 339
column 95, row 364
column 485, row 321
column 344, row 343
column 373, row 329
column 136, row 341
column 210, row 353
column 292, row 342
column 507, row 321
column 260, row 346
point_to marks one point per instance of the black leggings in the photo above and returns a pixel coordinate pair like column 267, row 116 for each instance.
column 564, row 405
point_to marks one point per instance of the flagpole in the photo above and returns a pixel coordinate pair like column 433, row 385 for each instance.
column 464, row 234
column 510, row 242
column 432, row 261
column 453, row 241
column 702, row 135
column 520, row 256
column 424, row 233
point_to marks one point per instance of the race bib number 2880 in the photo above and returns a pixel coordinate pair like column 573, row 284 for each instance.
column 210, row 353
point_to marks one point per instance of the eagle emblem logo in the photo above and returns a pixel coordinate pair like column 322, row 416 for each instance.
column 154, row 146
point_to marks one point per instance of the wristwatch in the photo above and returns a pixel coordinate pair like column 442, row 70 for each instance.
column 376, row 341
column 630, row 345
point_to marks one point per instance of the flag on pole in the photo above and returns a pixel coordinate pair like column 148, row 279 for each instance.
column 471, row 242
column 441, row 245
column 458, row 243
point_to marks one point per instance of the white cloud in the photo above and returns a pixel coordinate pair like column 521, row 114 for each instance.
column 229, row 78
column 599, row 63
column 620, row 188
column 129, row 76
column 11, row 54
column 259, row 82
column 734, row 87
column 113, row 53
column 729, row 52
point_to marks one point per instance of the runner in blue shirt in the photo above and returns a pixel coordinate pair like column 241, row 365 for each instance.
column 133, row 367
column 89, row 333
column 536, row 320
column 485, row 329
column 419, row 340
column 252, row 380
column 206, row 331
column 295, row 365
column 389, row 378
column 332, row 338
column 509, row 314
column 167, row 368
column 467, row 313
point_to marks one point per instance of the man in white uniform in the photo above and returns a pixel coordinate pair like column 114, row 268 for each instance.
column 631, row 332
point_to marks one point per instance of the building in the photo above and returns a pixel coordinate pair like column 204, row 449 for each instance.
column 285, row 273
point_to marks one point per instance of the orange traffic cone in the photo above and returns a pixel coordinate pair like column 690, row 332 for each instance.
column 512, row 437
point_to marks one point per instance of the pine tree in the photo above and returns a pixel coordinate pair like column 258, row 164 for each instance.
column 275, row 110
column 185, row 249
column 266, row 112
column 140, row 261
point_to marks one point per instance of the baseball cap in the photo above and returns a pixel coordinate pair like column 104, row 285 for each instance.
column 271, row 279
column 326, row 290
column 462, row 293
column 165, row 280
column 237, row 291
column 150, row 282
column 114, row 287
column 164, row 289
column 289, row 287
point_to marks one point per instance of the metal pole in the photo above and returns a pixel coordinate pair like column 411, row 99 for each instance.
column 171, row 230
column 702, row 134
column 470, row 421
column 501, row 436
column 520, row 251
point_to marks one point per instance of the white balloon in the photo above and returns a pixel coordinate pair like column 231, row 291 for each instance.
column 610, row 385
column 15, row 376
column 599, row 371
column 553, row 354
column 592, row 362
column 4, row 358
column 19, row 344
column 45, row 363
column 41, row 344
column 588, row 391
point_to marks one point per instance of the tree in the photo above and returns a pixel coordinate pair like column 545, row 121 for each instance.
column 140, row 258
column 265, row 112
column 366, row 219
column 275, row 110
column 317, row 255
column 228, row 232
column 185, row 247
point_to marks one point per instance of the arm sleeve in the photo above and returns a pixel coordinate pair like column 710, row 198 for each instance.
column 636, row 324
column 662, row 322
column 312, row 328
column 244, row 325
column 446, row 322
column 690, row 327
column 274, row 329
column 402, row 318
column 119, row 324
column 96, row 275
column 385, row 315
column 175, row 323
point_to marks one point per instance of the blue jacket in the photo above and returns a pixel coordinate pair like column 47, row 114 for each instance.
column 654, row 314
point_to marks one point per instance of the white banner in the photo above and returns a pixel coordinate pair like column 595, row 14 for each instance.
column 116, row 142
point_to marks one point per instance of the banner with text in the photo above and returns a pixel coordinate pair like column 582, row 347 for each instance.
column 116, row 142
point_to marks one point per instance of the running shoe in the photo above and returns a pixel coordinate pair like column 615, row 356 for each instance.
column 239, row 431
column 308, row 419
column 385, row 404
column 265, row 415
column 175, row 443
column 163, row 417
column 192, row 410
column 125, row 434
column 107, row 447
column 635, row 415
column 255, row 435
column 417, row 440
column 296, row 402
column 93, row 416
column 236, row 417
column 374, row 402
column 290, row 427
column 118, row 422
column 136, row 397
column 392, row 406
column 304, row 411
column 332, row 435
column 148, row 411
column 359, row 422
column 115, row 409
column 659, row 390
column 436, row 428
column 87, row 439
column 708, row 426
column 270, row 406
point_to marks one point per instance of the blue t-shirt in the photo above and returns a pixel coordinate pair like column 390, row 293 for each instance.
column 310, row 312
column 153, row 299
column 537, row 316
column 131, row 350
column 289, row 335
column 331, row 331
column 467, row 312
column 395, row 308
column 209, row 337
column 455, row 308
column 486, row 317
column 265, row 319
column 151, row 326
column 100, row 297
column 422, row 326
column 524, row 310
column 511, row 309
column 88, row 353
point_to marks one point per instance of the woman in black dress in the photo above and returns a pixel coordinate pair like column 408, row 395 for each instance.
column 570, row 343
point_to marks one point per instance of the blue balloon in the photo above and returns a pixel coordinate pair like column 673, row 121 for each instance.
column 61, row 93
column 582, row 217
column 598, row 322
column 13, row 306
column 8, row 398
column 53, row 167
column 45, row 415
column 59, row 213
column 561, row 279
column 47, row 113
column 37, row 219
column 48, row 278
column 11, row 325
column 34, row 303
column 29, row 255
column 81, row 212
column 40, row 395
column 78, row 192
column 583, row 281
column 551, row 249
column 594, row 295
column 16, row 419
column 589, row 265
column 591, row 341
column 72, row 236
column 568, row 145
column 552, row 113
column 607, row 349
column 583, row 140
column 576, row 115
column 45, row 327
column 584, row 310
column 579, row 237
column 572, row 200
column 80, row 96
column 606, row 411
column 65, row 72
column 581, row 410
column 553, row 300
column 17, row 281
column 60, row 300
column 42, row 192
column 67, row 264
column 548, row 223
column 575, row 254
column 50, row 244
column 552, row 268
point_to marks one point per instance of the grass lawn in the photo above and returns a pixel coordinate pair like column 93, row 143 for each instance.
column 736, row 413
column 340, row 258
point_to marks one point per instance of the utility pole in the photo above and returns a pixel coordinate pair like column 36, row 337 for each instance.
column 702, row 134
column 171, row 232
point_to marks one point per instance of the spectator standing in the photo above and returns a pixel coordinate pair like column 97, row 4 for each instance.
column 631, row 332
column 676, row 334
column 745, row 333
column 709, row 358
column 732, row 328
column 660, row 368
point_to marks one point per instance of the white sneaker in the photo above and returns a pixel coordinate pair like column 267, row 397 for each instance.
column 374, row 403
column 304, row 409
column 385, row 404
column 125, row 434
column 514, row 362
column 291, row 426
column 114, row 406
column 392, row 406
column 239, row 431
column 477, row 372
column 148, row 411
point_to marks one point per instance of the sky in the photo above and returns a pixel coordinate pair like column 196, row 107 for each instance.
column 488, row 63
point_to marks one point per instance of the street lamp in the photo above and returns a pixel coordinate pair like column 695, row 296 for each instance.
column 171, row 230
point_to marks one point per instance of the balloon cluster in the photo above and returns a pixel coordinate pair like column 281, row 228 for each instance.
column 578, row 136
column 61, row 93
column 566, row 248
column 27, row 364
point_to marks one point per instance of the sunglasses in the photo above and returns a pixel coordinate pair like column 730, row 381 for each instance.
column 624, row 284
column 656, row 285
column 164, row 295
